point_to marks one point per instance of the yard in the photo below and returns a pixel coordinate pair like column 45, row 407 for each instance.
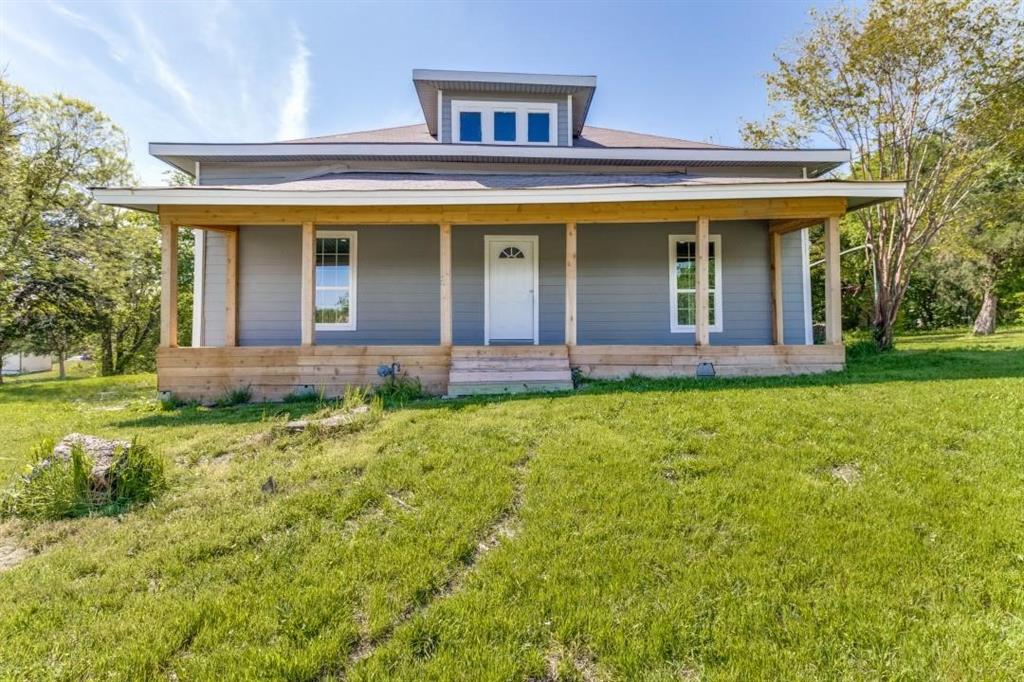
column 864, row 525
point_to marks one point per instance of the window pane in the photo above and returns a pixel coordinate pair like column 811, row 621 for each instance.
column 686, row 275
column 538, row 127
column 504, row 126
column 470, row 127
column 333, row 279
column 686, row 265
column 711, row 264
column 332, row 276
column 711, row 309
column 686, row 304
column 332, row 261
column 332, row 306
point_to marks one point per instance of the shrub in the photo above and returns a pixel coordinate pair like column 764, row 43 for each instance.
column 398, row 390
column 66, row 487
column 355, row 396
column 236, row 396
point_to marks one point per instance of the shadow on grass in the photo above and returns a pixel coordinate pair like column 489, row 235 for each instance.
column 194, row 415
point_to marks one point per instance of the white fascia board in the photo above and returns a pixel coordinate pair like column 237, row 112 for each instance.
column 474, row 151
column 504, row 78
column 145, row 199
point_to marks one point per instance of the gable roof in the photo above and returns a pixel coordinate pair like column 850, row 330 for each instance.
column 590, row 137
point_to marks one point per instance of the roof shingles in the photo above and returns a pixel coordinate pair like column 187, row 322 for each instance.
column 591, row 137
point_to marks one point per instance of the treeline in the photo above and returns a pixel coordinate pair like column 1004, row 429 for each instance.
column 930, row 92
column 74, row 276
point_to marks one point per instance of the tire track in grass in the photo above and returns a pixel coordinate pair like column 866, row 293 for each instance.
column 503, row 528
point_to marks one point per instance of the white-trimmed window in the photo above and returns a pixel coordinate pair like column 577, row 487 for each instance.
column 504, row 122
column 682, row 254
column 335, row 280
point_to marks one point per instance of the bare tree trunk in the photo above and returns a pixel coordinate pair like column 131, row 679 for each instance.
column 106, row 353
column 883, row 317
column 61, row 373
column 985, row 323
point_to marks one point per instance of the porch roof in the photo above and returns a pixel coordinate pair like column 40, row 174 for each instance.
column 433, row 189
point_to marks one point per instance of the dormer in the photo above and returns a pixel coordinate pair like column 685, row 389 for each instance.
column 510, row 109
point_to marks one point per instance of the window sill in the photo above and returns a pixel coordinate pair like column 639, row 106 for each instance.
column 335, row 327
column 693, row 330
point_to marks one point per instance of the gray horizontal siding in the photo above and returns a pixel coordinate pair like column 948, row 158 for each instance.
column 397, row 273
column 446, row 110
column 793, row 321
column 468, row 280
column 214, row 287
column 398, row 299
column 269, row 286
column 257, row 172
column 623, row 285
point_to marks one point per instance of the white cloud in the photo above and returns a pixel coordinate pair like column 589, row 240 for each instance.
column 296, row 104
column 40, row 48
column 166, row 76
column 115, row 43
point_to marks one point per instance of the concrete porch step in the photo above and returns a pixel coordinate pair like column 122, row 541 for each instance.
column 488, row 370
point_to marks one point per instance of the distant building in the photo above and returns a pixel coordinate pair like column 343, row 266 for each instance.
column 23, row 363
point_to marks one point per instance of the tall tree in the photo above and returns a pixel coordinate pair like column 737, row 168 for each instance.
column 986, row 246
column 125, row 296
column 14, row 108
column 71, row 267
column 900, row 86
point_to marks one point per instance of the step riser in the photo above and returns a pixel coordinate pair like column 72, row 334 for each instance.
column 505, row 366
column 458, row 390
column 512, row 353
column 508, row 377
column 484, row 370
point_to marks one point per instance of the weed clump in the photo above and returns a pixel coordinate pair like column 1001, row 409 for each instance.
column 83, row 475
column 236, row 396
column 397, row 390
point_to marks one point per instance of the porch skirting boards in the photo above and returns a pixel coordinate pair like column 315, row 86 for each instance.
column 618, row 362
column 273, row 372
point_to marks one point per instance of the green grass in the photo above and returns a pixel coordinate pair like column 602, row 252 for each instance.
column 656, row 530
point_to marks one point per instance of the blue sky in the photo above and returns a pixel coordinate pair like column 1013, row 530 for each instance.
column 259, row 71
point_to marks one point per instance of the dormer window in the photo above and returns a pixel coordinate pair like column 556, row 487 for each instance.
column 504, row 122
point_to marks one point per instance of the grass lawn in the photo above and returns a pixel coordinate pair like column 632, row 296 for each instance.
column 867, row 524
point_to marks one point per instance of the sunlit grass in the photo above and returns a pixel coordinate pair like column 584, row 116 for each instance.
column 863, row 525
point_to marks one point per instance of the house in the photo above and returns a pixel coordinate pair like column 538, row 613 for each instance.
column 493, row 247
column 23, row 363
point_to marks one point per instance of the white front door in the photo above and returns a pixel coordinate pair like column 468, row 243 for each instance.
column 511, row 313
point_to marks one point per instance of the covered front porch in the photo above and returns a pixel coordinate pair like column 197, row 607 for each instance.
column 602, row 299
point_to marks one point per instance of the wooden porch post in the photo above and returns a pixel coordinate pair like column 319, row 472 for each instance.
column 446, row 284
column 702, row 322
column 833, row 290
column 231, row 288
column 570, row 284
column 308, row 282
column 775, row 240
column 168, row 284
